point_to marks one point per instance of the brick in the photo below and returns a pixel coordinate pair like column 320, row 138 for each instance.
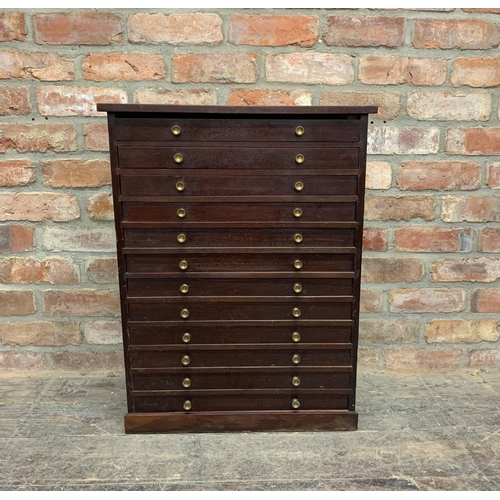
column 16, row 238
column 114, row 66
column 273, row 30
column 20, row 360
column 12, row 27
column 169, row 96
column 478, row 358
column 432, row 239
column 370, row 301
column 476, row 72
column 40, row 138
column 411, row 359
column 14, row 101
column 480, row 269
column 215, row 67
column 76, row 101
column 38, row 207
column 43, row 66
column 54, row 271
column 483, row 11
column 96, row 136
column 472, row 106
column 100, row 206
column 493, row 176
column 389, row 331
column 82, row 302
column 16, row 303
column 175, row 29
column 473, row 141
column 374, row 239
column 364, row 31
column 103, row 332
column 376, row 270
column 368, row 358
column 403, row 141
column 489, row 240
column 46, row 333
column 16, row 172
column 84, row 360
column 395, row 70
column 77, row 28
column 76, row 173
column 310, row 68
column 420, row 300
column 439, row 175
column 378, row 175
column 454, row 34
column 486, row 301
column 399, row 207
column 103, row 271
column 471, row 209
column 389, row 103
column 83, row 239
column 453, row 331
column 269, row 97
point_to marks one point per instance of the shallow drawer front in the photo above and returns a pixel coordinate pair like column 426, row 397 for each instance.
column 228, row 129
column 244, row 334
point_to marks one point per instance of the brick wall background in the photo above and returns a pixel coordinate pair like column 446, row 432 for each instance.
column 431, row 264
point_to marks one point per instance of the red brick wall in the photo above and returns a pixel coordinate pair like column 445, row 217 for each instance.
column 432, row 241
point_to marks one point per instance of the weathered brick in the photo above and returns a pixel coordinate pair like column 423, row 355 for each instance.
column 476, row 269
column 489, row 240
column 269, row 97
column 364, row 31
column 378, row 175
column 473, row 106
column 395, row 70
column 175, row 29
column 473, row 141
column 415, row 359
column 77, row 28
column 16, row 172
column 493, row 176
column 12, row 27
column 376, row 270
column 40, row 138
column 478, row 358
column 16, row 302
column 103, row 271
column 14, row 101
column 85, row 360
column 20, row 360
column 273, row 30
column 471, row 209
column 96, row 136
column 103, row 332
column 389, row 103
column 169, row 96
column 439, row 175
column 432, row 239
column 483, row 11
column 215, row 67
column 47, row 333
column 476, row 72
column 38, row 207
column 76, row 173
column 112, row 66
column 54, row 271
column 403, row 141
column 462, row 330
column 368, row 358
column 83, row 239
column 375, row 239
column 82, row 302
column 370, row 301
column 399, row 207
column 43, row 66
column 16, row 238
column 310, row 68
column 454, row 34
column 419, row 300
column 486, row 301
column 389, row 331
column 74, row 101
column 100, row 206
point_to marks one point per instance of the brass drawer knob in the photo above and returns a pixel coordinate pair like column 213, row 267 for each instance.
column 181, row 213
column 296, row 312
column 295, row 336
column 178, row 158
column 180, row 186
column 297, row 212
column 184, row 314
column 176, row 130
column 181, row 238
column 186, row 360
column 295, row 404
column 297, row 238
column 187, row 405
column 187, row 382
column 299, row 130
column 183, row 264
column 295, row 359
column 300, row 159
column 186, row 338
column 297, row 264
column 184, row 288
column 297, row 288
column 299, row 186
column 295, row 381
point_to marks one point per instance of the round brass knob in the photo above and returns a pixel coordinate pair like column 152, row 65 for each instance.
column 297, row 264
column 295, row 381
column 186, row 360
column 178, row 158
column 297, row 238
column 181, row 213
column 183, row 265
column 297, row 212
column 297, row 288
column 295, row 336
column 181, row 238
column 180, row 186
column 187, row 405
column 299, row 186
column 184, row 314
column 187, row 382
column 295, row 359
column 299, row 131
column 296, row 312
column 295, row 404
column 184, row 288
column 300, row 159
column 186, row 338
column 176, row 130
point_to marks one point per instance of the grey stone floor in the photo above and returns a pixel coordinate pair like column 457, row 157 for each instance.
column 417, row 432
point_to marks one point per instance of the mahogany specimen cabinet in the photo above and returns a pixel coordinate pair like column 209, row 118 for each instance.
column 239, row 234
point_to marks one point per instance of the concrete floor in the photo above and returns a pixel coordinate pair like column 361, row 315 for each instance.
column 418, row 432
